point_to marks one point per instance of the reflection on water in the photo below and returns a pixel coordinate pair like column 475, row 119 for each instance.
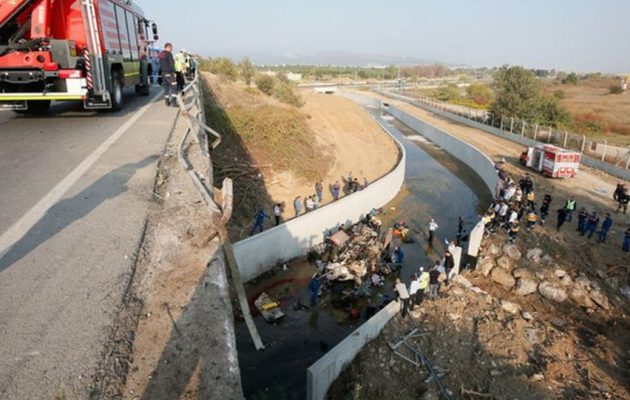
column 436, row 186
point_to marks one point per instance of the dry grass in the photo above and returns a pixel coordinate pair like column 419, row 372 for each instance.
column 592, row 107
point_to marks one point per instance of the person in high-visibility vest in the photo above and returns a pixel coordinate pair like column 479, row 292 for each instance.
column 180, row 62
column 569, row 207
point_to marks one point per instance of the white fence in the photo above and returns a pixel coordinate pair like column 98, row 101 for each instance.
column 260, row 253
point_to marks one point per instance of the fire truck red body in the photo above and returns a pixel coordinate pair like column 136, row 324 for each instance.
column 86, row 50
column 552, row 161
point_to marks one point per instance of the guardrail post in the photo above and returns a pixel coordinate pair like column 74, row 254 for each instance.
column 511, row 124
column 535, row 131
column 523, row 124
column 605, row 148
column 583, row 143
column 566, row 136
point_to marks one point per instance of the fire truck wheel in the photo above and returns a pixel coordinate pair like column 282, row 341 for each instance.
column 144, row 89
column 117, row 91
column 38, row 107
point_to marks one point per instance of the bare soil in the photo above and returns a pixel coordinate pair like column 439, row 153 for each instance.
column 343, row 139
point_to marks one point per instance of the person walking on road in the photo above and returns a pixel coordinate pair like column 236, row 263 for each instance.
column 432, row 226
column 606, row 225
column 277, row 212
column 403, row 296
column 297, row 205
column 167, row 66
column 626, row 241
column 259, row 221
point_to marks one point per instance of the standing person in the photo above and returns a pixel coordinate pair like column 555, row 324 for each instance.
column 365, row 182
column 531, row 199
column 414, row 287
column 434, row 281
column 626, row 240
column 259, row 220
column 349, row 182
column 180, row 63
column 167, row 66
column 582, row 216
column 618, row 192
column 562, row 217
column 399, row 256
column 503, row 210
column 423, row 284
column 591, row 223
column 531, row 219
column 297, row 205
column 277, row 212
column 544, row 208
column 403, row 296
column 514, row 228
column 570, row 206
column 623, row 200
column 518, row 196
column 314, row 288
column 606, row 225
column 336, row 188
column 433, row 226
column 449, row 264
column 309, row 204
column 513, row 217
column 319, row 190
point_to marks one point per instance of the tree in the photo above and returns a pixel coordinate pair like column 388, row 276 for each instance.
column 265, row 83
column 224, row 66
column 282, row 77
column 247, row 70
column 479, row 93
column 447, row 93
column 571, row 79
column 516, row 92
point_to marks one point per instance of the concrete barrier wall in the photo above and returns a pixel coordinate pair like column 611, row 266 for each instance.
column 613, row 170
column 260, row 253
column 321, row 375
column 465, row 152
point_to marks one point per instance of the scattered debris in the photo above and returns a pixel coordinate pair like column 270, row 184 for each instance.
column 269, row 309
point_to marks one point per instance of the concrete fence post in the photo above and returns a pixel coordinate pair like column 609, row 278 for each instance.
column 566, row 136
column 549, row 135
column 535, row 131
column 511, row 124
column 605, row 148
column 523, row 124
column 583, row 143
column 501, row 127
column 492, row 120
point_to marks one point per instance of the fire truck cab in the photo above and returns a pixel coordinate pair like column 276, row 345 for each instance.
column 85, row 50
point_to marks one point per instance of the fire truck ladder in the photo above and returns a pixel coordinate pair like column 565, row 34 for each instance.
column 98, row 95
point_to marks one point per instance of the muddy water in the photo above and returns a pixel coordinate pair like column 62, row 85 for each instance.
column 436, row 186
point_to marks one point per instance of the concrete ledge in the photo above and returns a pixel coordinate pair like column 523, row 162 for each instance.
column 321, row 375
column 260, row 253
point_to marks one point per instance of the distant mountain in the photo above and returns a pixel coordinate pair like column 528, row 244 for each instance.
column 328, row 58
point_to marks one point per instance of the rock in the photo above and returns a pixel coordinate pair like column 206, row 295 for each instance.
column 559, row 273
column 613, row 282
column 486, row 265
column 583, row 282
column 454, row 317
column 502, row 277
column 625, row 290
column 525, row 286
column 527, row 316
column 601, row 274
column 539, row 275
column 512, row 251
column 566, row 281
column 547, row 259
column 580, row 297
column 510, row 307
column 494, row 250
column 538, row 377
column 600, row 299
column 461, row 281
column 522, row 273
column 531, row 335
column 505, row 263
column 534, row 254
column 552, row 292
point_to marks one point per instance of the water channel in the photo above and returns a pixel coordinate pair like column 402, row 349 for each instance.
column 436, row 186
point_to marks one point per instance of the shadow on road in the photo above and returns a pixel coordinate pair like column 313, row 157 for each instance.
column 65, row 212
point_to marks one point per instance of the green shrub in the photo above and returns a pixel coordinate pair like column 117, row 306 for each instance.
column 614, row 89
column 286, row 94
column 571, row 79
column 265, row 83
column 559, row 94
column 480, row 93
column 447, row 93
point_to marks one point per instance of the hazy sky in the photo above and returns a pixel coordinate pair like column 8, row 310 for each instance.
column 581, row 35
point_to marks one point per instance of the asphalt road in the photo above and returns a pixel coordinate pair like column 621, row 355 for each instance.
column 75, row 191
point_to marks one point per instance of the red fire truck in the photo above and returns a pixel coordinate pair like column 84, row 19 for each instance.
column 86, row 50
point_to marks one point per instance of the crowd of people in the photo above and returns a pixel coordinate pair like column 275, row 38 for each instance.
column 306, row 204
column 516, row 202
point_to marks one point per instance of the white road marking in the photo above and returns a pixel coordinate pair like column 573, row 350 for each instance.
column 32, row 216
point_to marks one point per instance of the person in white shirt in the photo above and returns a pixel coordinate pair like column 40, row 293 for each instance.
column 403, row 296
column 309, row 204
column 433, row 226
column 503, row 213
column 414, row 288
column 513, row 217
column 277, row 212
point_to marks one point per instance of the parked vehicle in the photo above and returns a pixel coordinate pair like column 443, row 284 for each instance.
column 86, row 50
column 551, row 160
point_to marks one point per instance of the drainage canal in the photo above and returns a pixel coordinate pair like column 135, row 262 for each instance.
column 436, row 186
